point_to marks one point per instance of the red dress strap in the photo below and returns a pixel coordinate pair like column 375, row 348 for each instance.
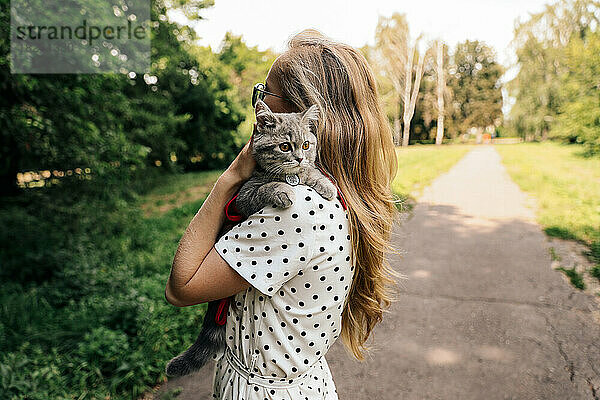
column 221, row 316
column 231, row 211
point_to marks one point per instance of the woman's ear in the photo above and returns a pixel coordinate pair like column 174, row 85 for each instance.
column 264, row 116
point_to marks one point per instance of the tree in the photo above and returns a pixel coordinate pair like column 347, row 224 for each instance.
column 425, row 121
column 410, row 98
column 116, row 124
column 248, row 66
column 475, row 83
column 403, row 65
column 578, row 117
column 540, row 43
column 441, row 87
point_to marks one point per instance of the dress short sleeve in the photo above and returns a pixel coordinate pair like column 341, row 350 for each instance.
column 273, row 245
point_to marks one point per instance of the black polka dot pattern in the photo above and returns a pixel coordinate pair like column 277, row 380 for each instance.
column 287, row 320
column 272, row 245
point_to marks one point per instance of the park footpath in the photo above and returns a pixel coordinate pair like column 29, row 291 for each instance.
column 482, row 314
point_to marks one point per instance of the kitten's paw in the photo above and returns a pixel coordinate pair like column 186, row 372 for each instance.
column 283, row 199
column 325, row 188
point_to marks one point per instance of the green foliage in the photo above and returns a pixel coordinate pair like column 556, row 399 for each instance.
column 198, row 87
column 556, row 90
column 575, row 277
column 578, row 119
column 536, row 104
column 62, row 121
column 554, row 255
column 248, row 66
column 472, row 97
column 83, row 312
column 594, row 252
column 475, row 84
column 473, row 92
column 114, row 124
column 97, row 323
column 595, row 271
column 171, row 394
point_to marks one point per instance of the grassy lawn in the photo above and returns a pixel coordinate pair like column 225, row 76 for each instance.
column 565, row 185
column 174, row 191
column 418, row 166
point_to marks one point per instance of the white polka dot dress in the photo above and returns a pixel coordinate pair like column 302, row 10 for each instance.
column 297, row 261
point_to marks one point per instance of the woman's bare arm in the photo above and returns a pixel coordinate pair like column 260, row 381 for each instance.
column 199, row 273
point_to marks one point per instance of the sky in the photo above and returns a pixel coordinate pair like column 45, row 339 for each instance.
column 269, row 23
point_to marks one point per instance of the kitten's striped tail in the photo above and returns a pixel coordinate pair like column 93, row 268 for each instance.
column 210, row 342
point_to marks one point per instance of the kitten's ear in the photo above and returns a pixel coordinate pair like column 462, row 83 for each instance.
column 264, row 116
column 311, row 116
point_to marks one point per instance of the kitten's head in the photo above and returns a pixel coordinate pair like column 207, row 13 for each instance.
column 284, row 143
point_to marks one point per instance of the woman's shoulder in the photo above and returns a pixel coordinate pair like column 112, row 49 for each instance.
column 328, row 218
column 306, row 194
column 322, row 209
column 308, row 212
column 307, row 197
column 303, row 209
column 306, row 205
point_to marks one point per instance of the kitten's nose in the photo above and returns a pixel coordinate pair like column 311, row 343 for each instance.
column 300, row 160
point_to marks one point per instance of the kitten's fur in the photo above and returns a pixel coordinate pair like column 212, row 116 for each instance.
column 267, row 186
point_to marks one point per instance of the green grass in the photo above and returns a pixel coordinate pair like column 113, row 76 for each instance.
column 419, row 165
column 172, row 191
column 172, row 394
column 566, row 187
column 575, row 277
column 170, row 184
column 554, row 255
column 595, row 272
column 83, row 311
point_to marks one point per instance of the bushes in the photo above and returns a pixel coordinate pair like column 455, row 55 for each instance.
column 83, row 311
column 579, row 118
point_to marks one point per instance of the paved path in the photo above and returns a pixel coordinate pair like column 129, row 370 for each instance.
column 482, row 315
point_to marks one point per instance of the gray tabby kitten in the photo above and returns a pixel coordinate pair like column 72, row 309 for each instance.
column 285, row 149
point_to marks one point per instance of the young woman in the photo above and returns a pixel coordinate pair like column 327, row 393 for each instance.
column 304, row 275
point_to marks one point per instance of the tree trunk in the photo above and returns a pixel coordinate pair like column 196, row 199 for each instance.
column 441, row 84
column 397, row 129
column 406, row 98
column 410, row 110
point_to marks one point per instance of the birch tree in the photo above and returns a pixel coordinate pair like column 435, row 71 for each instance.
column 441, row 87
column 403, row 65
column 410, row 97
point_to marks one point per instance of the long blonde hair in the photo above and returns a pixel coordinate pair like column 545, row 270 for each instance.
column 356, row 147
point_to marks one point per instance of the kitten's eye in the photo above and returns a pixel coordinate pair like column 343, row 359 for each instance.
column 284, row 147
column 305, row 145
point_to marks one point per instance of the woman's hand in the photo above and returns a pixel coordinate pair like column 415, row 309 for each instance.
column 242, row 167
